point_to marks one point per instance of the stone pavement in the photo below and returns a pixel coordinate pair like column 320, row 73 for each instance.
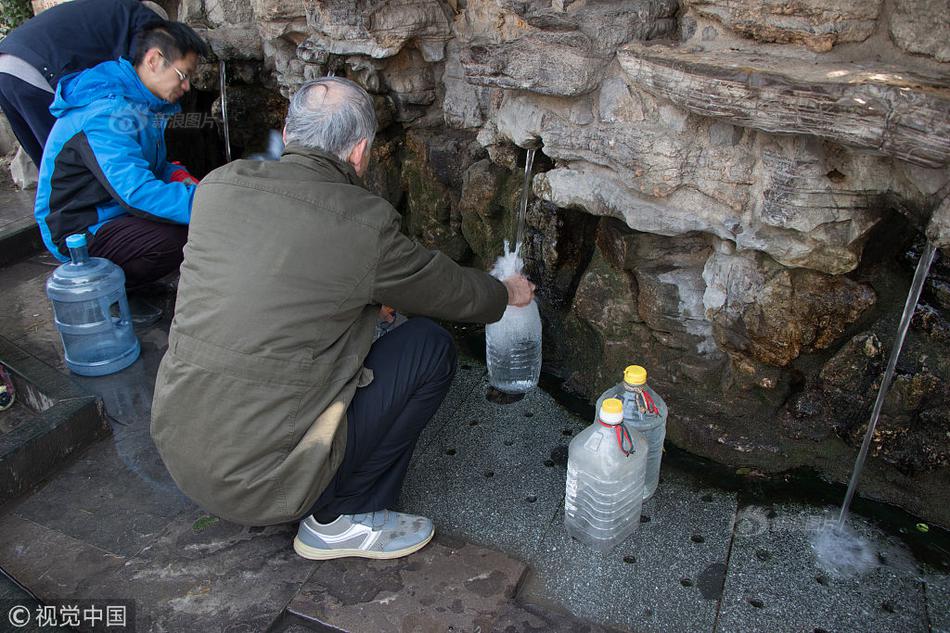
column 111, row 524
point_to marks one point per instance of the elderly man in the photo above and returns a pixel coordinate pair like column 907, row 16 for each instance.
column 272, row 402
column 63, row 39
column 104, row 170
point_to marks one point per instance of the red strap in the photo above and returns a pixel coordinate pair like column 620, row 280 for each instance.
column 651, row 406
column 622, row 434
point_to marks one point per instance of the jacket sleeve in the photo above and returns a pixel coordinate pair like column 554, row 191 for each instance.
column 118, row 163
column 414, row 279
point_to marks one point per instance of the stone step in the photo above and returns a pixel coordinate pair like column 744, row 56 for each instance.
column 883, row 108
column 51, row 419
column 449, row 585
column 19, row 234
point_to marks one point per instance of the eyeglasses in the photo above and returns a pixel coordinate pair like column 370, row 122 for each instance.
column 182, row 77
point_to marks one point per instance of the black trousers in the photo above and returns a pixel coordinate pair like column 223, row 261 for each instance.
column 413, row 366
column 27, row 110
column 143, row 249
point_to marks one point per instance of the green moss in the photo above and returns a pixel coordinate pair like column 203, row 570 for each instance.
column 204, row 523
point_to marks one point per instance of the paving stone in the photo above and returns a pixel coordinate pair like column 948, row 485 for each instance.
column 118, row 505
column 938, row 603
column 204, row 574
column 485, row 477
column 527, row 618
column 468, row 375
column 26, row 313
column 446, row 586
column 50, row 563
column 13, row 597
column 775, row 583
column 660, row 578
column 15, row 205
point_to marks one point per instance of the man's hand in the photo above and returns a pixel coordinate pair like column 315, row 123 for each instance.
column 520, row 291
column 387, row 314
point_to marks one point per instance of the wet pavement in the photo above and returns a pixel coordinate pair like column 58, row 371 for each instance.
column 111, row 524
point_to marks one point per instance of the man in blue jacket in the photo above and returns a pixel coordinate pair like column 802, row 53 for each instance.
column 104, row 171
column 64, row 39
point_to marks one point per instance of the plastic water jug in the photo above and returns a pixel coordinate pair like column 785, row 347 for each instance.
column 91, row 312
column 605, row 473
column 645, row 411
column 513, row 349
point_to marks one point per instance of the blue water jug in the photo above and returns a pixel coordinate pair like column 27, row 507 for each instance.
column 91, row 312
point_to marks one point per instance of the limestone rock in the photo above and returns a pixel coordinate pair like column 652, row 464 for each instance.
column 8, row 142
column 938, row 231
column 279, row 12
column 805, row 203
column 237, row 42
column 410, row 83
column 489, row 193
column 550, row 64
column 557, row 246
column 885, row 109
column 534, row 46
column 774, row 314
column 922, row 27
column 818, row 24
column 431, row 177
column 607, row 299
column 222, row 12
column 380, row 29
column 463, row 103
column 23, row 171
column 669, row 275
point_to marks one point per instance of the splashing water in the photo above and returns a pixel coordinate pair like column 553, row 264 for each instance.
column 843, row 552
column 509, row 264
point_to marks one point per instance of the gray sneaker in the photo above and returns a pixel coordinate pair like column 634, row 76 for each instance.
column 383, row 534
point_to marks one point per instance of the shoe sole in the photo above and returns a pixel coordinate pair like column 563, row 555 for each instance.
column 313, row 553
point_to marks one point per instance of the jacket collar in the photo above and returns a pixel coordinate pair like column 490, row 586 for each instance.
column 321, row 161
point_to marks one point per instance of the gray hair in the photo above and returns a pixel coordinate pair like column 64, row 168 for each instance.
column 331, row 114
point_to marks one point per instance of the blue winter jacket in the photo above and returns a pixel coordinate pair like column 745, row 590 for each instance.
column 105, row 157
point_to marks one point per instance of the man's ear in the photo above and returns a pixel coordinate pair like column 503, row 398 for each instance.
column 357, row 153
column 153, row 60
column 283, row 134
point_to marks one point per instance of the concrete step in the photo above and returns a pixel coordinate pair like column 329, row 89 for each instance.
column 51, row 419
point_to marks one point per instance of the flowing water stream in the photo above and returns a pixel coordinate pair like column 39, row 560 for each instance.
column 523, row 205
column 837, row 547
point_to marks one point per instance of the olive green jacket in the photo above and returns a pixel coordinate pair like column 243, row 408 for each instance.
column 286, row 264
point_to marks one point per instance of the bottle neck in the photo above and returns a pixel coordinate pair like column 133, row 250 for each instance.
column 79, row 255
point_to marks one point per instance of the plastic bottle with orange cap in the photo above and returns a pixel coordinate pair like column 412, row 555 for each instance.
column 644, row 411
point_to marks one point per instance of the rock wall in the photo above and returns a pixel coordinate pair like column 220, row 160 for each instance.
column 730, row 192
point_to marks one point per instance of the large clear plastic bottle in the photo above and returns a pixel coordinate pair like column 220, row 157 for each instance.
column 91, row 312
column 513, row 349
column 606, row 466
column 645, row 411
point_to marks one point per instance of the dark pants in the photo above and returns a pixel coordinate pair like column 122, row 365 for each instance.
column 143, row 249
column 27, row 110
column 413, row 365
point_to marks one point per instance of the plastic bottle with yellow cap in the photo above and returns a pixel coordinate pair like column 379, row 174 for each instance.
column 645, row 411
column 606, row 467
